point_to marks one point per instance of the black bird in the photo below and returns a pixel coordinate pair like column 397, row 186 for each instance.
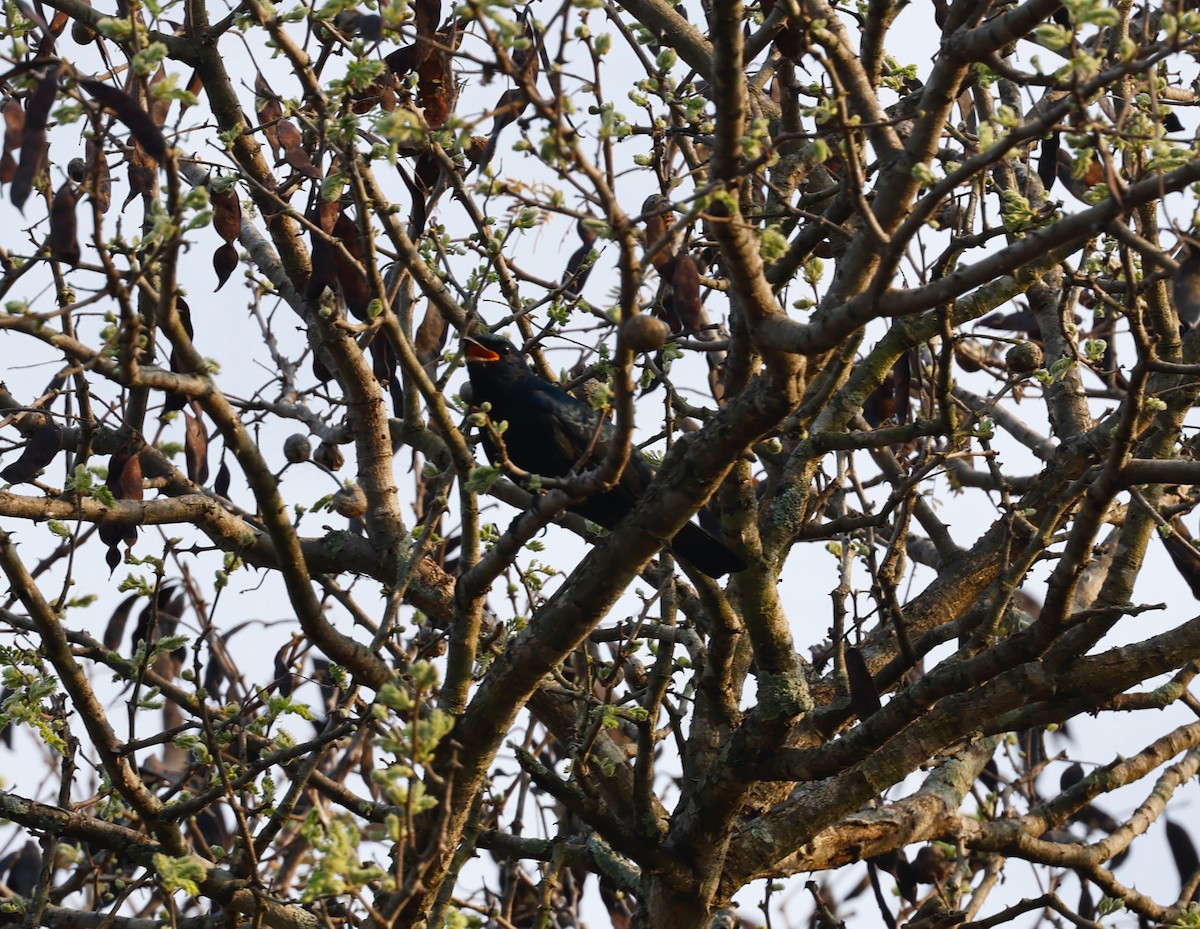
column 551, row 433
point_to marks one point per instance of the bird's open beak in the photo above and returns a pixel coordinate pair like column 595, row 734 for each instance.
column 477, row 351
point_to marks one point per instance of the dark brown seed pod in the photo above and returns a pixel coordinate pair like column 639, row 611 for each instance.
column 140, row 124
column 225, row 260
column 41, row 449
column 98, row 182
column 64, row 240
column 221, row 484
column 141, row 174
column 685, row 294
column 430, row 337
column 33, row 138
column 864, row 698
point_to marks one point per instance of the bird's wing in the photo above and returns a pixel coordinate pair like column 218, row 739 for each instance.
column 571, row 425
column 573, row 433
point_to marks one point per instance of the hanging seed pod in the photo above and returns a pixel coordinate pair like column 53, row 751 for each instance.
column 225, row 260
column 328, row 455
column 195, row 447
column 14, row 130
column 349, row 501
column 296, row 448
column 98, row 181
column 140, row 124
column 64, row 239
column 141, row 175
column 645, row 333
column 227, row 214
column 33, row 137
column 292, row 142
column 41, row 449
column 269, row 111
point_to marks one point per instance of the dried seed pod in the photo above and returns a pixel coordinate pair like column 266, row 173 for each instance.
column 864, row 697
column 269, row 111
column 160, row 107
column 41, row 449
column 99, row 183
column 33, row 138
column 224, row 478
column 14, row 125
column 82, row 33
column 682, row 306
column 140, row 124
column 349, row 501
column 328, row 455
column 430, row 337
column 225, row 260
column 1024, row 358
column 291, row 140
column 130, row 483
column 64, row 239
column 141, row 175
column 195, row 446
column 227, row 214
column 350, row 275
column 296, row 448
column 644, row 333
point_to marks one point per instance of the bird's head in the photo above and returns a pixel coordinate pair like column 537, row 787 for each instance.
column 487, row 349
column 494, row 367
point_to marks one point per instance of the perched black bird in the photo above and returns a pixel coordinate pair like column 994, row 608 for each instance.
column 551, row 433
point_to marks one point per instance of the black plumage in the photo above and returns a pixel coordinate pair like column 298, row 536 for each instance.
column 551, row 433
